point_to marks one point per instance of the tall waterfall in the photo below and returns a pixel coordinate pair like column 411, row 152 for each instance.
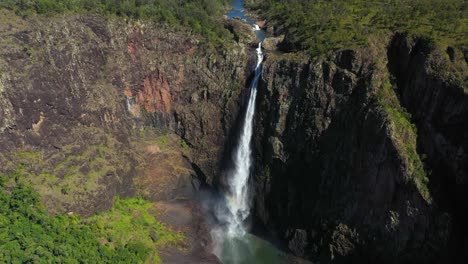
column 238, row 193
column 230, row 237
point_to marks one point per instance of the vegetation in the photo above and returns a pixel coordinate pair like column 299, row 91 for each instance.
column 129, row 233
column 162, row 139
column 131, row 223
column 202, row 16
column 404, row 132
column 322, row 25
column 29, row 235
column 76, row 172
column 165, row 164
column 183, row 144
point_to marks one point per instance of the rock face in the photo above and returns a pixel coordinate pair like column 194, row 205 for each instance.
column 341, row 173
column 272, row 43
column 437, row 97
column 338, row 176
column 76, row 89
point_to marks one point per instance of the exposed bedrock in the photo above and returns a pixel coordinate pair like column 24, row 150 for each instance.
column 77, row 91
column 340, row 174
column 361, row 155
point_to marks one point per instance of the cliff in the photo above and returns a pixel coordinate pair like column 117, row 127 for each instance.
column 79, row 92
column 360, row 154
column 344, row 172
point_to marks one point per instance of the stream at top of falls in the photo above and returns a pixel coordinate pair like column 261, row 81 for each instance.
column 232, row 242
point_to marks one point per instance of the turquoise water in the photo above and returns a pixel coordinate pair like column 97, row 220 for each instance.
column 248, row 249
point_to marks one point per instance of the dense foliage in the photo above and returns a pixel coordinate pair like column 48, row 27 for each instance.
column 131, row 222
column 202, row 16
column 321, row 25
column 28, row 234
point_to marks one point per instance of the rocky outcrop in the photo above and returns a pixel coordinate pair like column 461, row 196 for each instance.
column 272, row 43
column 76, row 90
column 432, row 85
column 242, row 31
column 338, row 175
column 343, row 172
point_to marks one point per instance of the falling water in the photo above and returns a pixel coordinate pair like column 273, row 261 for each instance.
column 231, row 238
column 239, row 196
column 232, row 243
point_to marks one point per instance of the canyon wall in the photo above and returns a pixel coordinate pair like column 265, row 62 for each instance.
column 78, row 91
column 343, row 174
column 360, row 154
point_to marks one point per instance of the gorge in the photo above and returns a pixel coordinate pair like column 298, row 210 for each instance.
column 232, row 243
column 358, row 154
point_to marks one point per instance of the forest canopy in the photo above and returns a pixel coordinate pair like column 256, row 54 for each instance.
column 128, row 233
column 321, row 25
column 202, row 16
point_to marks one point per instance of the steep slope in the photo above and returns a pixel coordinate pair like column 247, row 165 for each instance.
column 76, row 89
column 432, row 84
column 339, row 172
column 343, row 171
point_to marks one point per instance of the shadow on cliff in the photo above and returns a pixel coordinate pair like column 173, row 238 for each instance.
column 330, row 176
column 439, row 108
column 307, row 187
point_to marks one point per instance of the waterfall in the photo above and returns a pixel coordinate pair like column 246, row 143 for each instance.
column 238, row 193
column 230, row 236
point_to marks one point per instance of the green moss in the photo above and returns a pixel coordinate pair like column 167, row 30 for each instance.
column 405, row 133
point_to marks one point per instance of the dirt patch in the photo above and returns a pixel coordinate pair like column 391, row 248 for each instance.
column 186, row 217
column 167, row 174
column 169, row 180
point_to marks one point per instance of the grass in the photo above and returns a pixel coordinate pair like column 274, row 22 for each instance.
column 31, row 52
column 82, row 170
column 162, row 140
column 405, row 133
column 79, row 169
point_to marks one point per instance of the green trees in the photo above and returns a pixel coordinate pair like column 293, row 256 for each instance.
column 29, row 235
column 130, row 223
column 321, row 25
column 202, row 16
